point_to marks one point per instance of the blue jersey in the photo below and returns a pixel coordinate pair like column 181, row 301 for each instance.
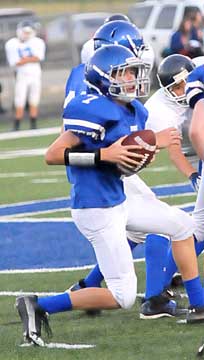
column 98, row 122
column 75, row 84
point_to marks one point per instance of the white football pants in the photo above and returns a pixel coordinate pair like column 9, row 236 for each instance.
column 105, row 229
column 27, row 86
column 147, row 214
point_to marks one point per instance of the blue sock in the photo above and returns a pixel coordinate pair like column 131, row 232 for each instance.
column 200, row 167
column 56, row 303
column 132, row 244
column 171, row 267
column 95, row 277
column 156, row 248
column 195, row 291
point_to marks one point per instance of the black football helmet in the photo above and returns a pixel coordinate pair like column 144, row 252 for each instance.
column 173, row 70
column 117, row 16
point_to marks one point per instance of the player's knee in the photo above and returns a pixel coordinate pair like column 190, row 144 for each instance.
column 128, row 292
column 128, row 300
column 184, row 225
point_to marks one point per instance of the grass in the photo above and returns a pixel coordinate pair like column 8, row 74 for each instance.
column 6, row 126
column 117, row 334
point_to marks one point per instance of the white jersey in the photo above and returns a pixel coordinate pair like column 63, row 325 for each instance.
column 15, row 50
column 164, row 113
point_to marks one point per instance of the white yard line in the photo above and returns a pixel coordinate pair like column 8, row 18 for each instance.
column 35, row 220
column 30, row 133
column 177, row 195
column 46, row 270
column 159, row 168
column 32, row 174
column 62, row 346
column 33, row 213
column 13, row 154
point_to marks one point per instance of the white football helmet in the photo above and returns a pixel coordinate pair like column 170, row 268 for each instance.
column 147, row 55
column 87, row 51
column 199, row 60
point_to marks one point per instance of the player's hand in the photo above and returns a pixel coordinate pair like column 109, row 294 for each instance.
column 167, row 137
column 195, row 86
column 120, row 154
column 195, row 179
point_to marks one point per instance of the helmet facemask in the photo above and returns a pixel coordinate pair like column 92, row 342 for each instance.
column 113, row 71
column 169, row 91
column 127, row 90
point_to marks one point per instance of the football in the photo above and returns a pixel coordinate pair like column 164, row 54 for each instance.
column 146, row 139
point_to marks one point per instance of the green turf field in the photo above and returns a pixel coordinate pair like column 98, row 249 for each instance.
column 118, row 334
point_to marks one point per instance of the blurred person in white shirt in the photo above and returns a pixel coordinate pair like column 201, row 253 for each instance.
column 24, row 53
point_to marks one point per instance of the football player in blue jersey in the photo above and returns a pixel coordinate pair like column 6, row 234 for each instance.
column 90, row 147
column 127, row 34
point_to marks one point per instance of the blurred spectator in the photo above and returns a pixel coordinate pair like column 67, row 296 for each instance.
column 24, row 53
column 188, row 39
column 2, row 110
column 197, row 26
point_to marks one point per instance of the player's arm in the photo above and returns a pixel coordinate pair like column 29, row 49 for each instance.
column 180, row 161
column 184, row 166
column 196, row 130
column 28, row 59
column 167, row 137
column 62, row 152
column 195, row 98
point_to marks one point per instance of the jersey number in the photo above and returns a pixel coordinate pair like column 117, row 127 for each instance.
column 90, row 98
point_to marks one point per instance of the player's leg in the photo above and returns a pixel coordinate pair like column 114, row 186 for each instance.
column 2, row 110
column 20, row 92
column 156, row 250
column 134, row 187
column 95, row 277
column 108, row 237
column 161, row 218
column 141, row 217
column 157, row 303
column 33, row 100
column 171, row 267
